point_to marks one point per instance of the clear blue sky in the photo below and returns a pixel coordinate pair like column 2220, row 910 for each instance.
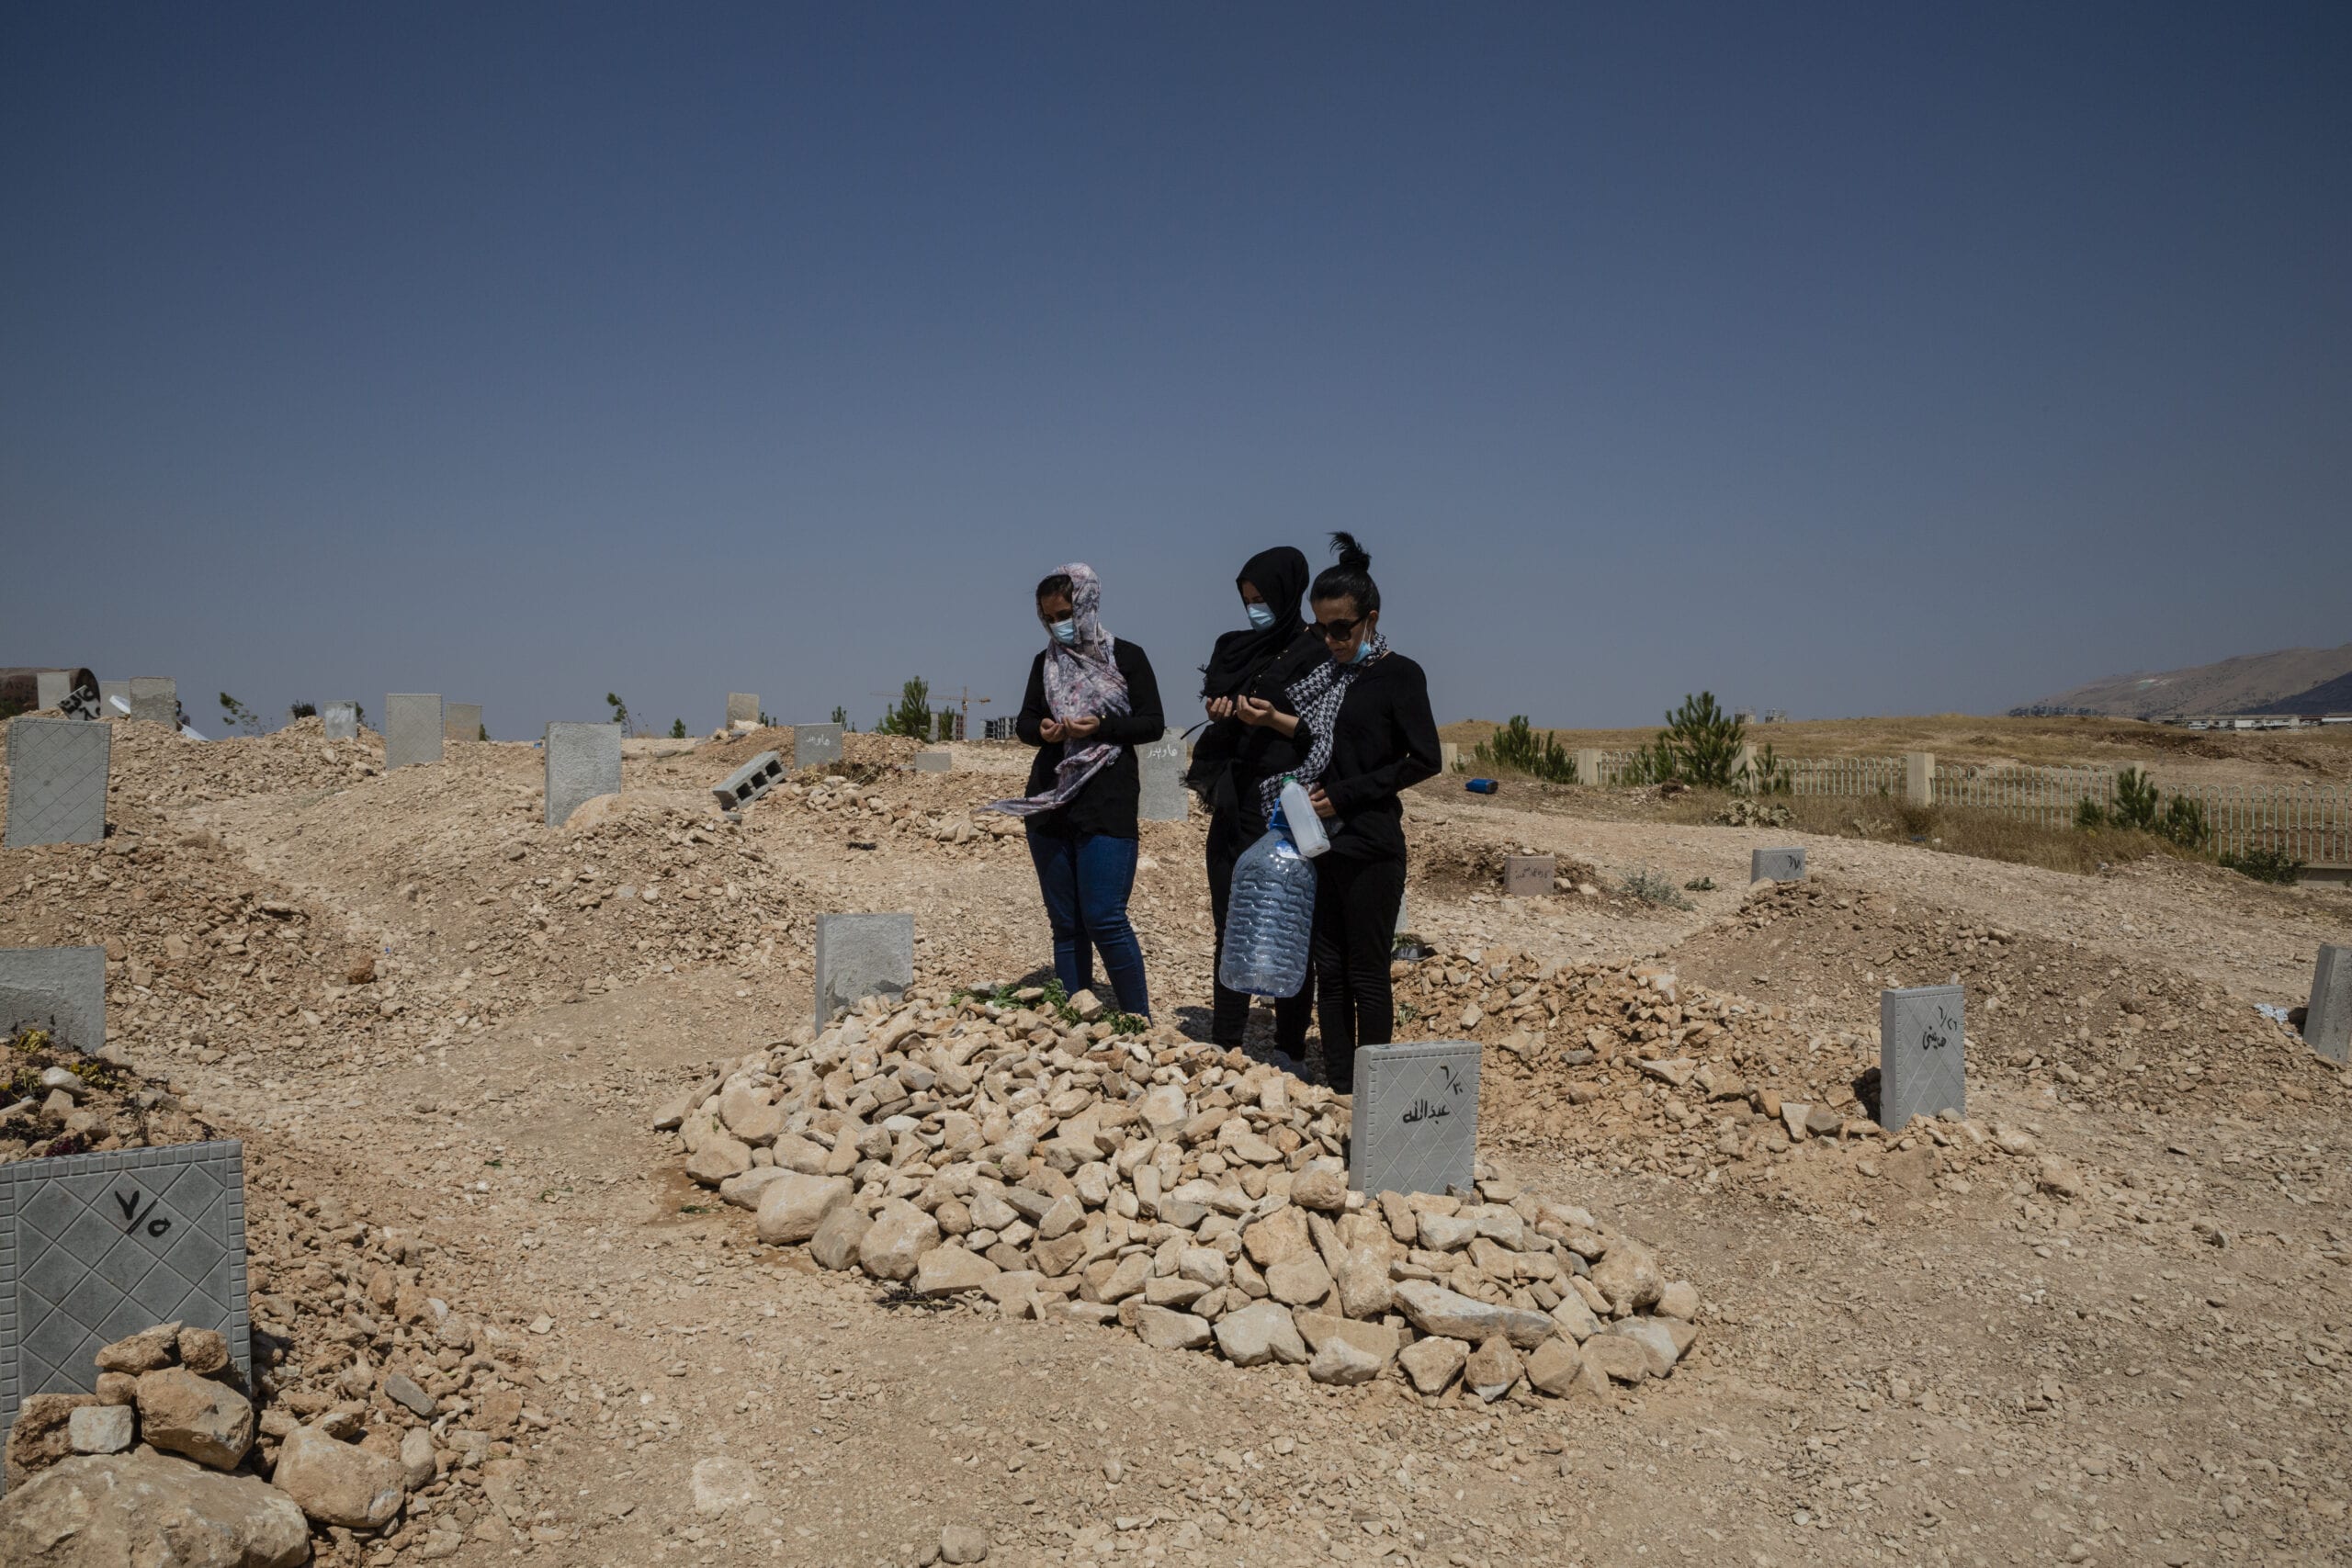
column 1840, row 358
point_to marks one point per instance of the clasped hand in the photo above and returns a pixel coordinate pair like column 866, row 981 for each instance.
column 1069, row 728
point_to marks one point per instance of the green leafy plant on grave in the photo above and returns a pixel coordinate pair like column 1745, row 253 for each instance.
column 620, row 710
column 1516, row 746
column 1651, row 888
column 302, row 710
column 1699, row 885
column 246, row 721
column 911, row 717
column 677, row 729
column 2265, row 866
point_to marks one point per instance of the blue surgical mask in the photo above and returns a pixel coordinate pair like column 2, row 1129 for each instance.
column 1363, row 651
column 1261, row 615
column 1065, row 633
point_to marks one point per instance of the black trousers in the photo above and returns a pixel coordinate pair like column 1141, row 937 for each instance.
column 1232, row 830
column 1355, row 940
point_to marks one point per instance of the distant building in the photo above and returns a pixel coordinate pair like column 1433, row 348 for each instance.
column 999, row 730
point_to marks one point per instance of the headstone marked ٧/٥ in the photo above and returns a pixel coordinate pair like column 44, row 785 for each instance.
column 57, row 782
column 1922, row 1068
column 1165, row 798
column 934, row 760
column 742, row 708
column 2327, row 1018
column 155, row 699
column 61, row 989
column 1526, row 876
column 340, row 720
column 814, row 745
column 1776, row 866
column 412, row 728
column 461, row 721
column 95, row 1247
column 750, row 782
column 582, row 761
column 860, row 956
column 1414, row 1127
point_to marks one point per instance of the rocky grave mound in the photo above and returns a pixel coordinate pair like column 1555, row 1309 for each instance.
column 1029, row 1160
column 57, row 1101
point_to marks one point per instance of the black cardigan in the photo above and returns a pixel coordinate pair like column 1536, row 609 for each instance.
column 1383, row 742
column 1106, row 803
column 1232, row 759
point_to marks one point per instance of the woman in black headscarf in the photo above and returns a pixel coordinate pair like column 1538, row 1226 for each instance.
column 1244, row 679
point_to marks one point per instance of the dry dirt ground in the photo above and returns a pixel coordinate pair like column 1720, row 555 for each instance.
column 1908, row 1352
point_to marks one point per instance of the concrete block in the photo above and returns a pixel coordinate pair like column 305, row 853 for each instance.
column 1165, row 798
column 94, row 1247
column 461, row 721
column 750, row 782
column 52, row 687
column 110, row 692
column 814, row 745
column 2327, row 1020
column 1526, row 876
column 341, row 719
column 62, row 989
column 1919, row 778
column 412, row 728
column 155, row 699
column 582, row 761
column 1414, row 1127
column 935, row 762
column 742, row 708
column 860, row 956
column 1921, row 1054
column 1588, row 765
column 1449, row 756
column 57, row 780
column 1776, row 866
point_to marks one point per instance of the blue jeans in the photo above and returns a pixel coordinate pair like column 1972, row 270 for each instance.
column 1086, row 880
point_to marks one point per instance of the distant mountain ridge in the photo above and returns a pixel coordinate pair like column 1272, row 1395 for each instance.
column 2251, row 682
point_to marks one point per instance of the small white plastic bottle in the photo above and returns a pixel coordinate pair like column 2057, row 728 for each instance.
column 1306, row 828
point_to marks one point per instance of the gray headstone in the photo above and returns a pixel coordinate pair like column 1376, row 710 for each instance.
column 583, row 761
column 2327, row 1021
column 1165, row 798
column 52, row 687
column 62, row 989
column 750, row 782
column 935, row 762
column 57, row 780
column 412, row 728
column 814, row 745
column 461, row 721
column 1526, row 876
column 1415, row 1125
column 341, row 719
column 155, row 699
column 860, row 956
column 742, row 708
column 108, row 691
column 93, row 1247
column 1921, row 1066
column 1776, row 866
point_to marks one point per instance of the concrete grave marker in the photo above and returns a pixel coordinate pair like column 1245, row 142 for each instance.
column 1165, row 798
column 1449, row 757
column 935, row 762
column 340, row 720
column 1415, row 1124
column 461, row 721
column 412, row 728
column 750, row 782
column 1526, row 876
column 155, row 699
column 2327, row 1021
column 814, row 745
column 583, row 761
column 1776, row 866
column 57, row 780
column 52, row 687
column 860, row 956
column 94, row 1247
column 1921, row 1066
column 109, row 693
column 62, row 989
column 742, row 708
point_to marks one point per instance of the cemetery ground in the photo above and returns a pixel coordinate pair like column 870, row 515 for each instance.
column 2104, row 1320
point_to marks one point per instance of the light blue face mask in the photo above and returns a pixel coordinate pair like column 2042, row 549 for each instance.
column 1364, row 650
column 1065, row 633
column 1261, row 615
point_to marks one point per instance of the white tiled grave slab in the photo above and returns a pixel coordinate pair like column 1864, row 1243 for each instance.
column 412, row 728
column 1776, row 866
column 63, row 990
column 96, row 1246
column 1920, row 1053
column 57, row 780
column 1415, row 1124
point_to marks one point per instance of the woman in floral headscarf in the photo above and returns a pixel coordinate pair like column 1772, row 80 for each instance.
column 1091, row 700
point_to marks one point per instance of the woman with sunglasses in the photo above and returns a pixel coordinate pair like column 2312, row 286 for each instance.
column 1232, row 759
column 1091, row 700
column 1362, row 719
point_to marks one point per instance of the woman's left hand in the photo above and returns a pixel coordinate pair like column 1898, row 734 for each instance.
column 1322, row 803
column 1081, row 728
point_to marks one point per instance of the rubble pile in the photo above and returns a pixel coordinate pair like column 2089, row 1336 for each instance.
column 55, row 1099
column 1017, row 1155
column 158, row 768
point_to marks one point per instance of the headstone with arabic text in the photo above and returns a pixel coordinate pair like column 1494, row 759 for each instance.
column 1414, row 1127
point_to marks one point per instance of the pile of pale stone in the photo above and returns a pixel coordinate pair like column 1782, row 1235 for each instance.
column 953, row 1147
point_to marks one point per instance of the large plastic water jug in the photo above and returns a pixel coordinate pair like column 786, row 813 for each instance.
column 1270, row 921
column 1299, row 814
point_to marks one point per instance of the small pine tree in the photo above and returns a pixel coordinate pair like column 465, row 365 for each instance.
column 911, row 717
column 620, row 711
column 677, row 729
column 239, row 715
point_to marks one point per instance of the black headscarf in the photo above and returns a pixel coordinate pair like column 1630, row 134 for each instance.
column 1280, row 576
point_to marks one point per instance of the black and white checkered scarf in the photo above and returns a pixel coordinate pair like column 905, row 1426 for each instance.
column 1316, row 698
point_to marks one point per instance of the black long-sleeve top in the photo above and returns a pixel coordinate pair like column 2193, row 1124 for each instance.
column 1231, row 758
column 1106, row 803
column 1383, row 742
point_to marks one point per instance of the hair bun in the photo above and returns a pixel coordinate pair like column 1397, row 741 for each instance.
column 1352, row 556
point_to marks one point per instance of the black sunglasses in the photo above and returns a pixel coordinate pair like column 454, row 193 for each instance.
column 1338, row 631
